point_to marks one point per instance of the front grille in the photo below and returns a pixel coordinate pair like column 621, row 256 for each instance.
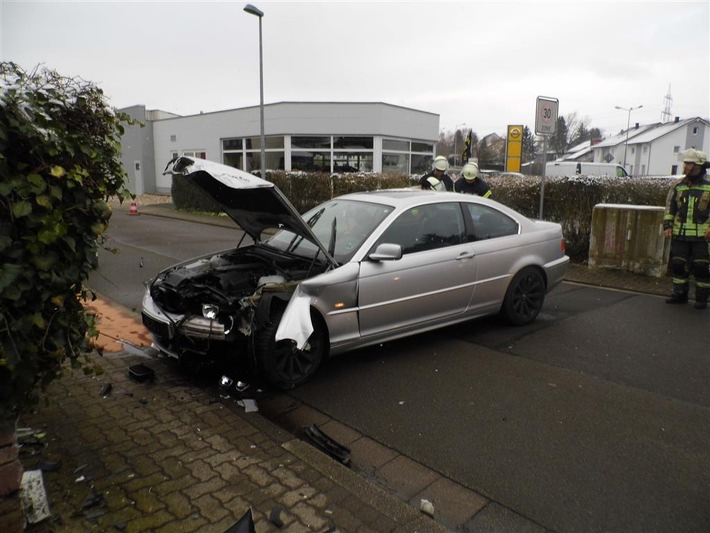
column 161, row 329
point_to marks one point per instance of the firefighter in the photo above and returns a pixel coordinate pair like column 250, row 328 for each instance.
column 687, row 223
column 438, row 171
column 471, row 182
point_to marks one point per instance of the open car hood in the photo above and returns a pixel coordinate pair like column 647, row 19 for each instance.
column 254, row 204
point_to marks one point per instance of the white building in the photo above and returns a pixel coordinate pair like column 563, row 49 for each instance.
column 652, row 150
column 309, row 136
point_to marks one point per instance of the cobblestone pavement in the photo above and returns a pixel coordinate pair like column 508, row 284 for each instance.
column 169, row 455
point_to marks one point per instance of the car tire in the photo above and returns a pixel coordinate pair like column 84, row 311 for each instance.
column 525, row 297
column 281, row 363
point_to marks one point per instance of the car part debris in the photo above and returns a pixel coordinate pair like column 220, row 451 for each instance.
column 141, row 373
column 275, row 517
column 106, row 390
column 427, row 508
column 325, row 443
column 249, row 405
column 49, row 466
column 34, row 496
column 244, row 525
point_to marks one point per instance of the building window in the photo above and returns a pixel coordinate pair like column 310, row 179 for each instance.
column 195, row 153
column 173, row 138
column 299, row 142
column 310, row 161
column 695, row 130
column 406, row 157
column 352, row 143
column 674, row 170
column 676, row 149
column 398, row 163
column 391, row 144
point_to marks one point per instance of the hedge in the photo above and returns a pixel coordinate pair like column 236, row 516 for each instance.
column 568, row 200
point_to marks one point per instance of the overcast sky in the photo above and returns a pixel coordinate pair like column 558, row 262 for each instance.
column 479, row 63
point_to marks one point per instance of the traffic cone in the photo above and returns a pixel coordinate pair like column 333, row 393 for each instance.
column 133, row 211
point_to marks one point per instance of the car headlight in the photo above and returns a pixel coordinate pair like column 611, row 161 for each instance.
column 210, row 311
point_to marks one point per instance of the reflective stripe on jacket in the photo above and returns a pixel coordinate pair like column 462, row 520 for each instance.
column 688, row 208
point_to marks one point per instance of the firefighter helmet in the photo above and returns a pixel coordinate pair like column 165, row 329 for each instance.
column 470, row 171
column 440, row 163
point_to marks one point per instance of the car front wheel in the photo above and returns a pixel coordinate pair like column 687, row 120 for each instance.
column 281, row 363
column 524, row 298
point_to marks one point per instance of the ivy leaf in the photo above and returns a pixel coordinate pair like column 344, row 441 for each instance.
column 21, row 209
column 9, row 274
column 44, row 201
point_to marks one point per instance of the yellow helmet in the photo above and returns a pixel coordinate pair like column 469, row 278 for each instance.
column 470, row 171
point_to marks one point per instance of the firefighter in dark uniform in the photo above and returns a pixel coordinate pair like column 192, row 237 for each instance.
column 471, row 182
column 438, row 171
column 687, row 223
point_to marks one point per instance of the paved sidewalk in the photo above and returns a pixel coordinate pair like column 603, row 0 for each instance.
column 173, row 455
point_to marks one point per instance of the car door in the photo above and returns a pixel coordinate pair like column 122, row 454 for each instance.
column 497, row 246
column 433, row 279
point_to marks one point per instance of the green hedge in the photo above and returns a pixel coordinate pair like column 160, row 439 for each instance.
column 568, row 200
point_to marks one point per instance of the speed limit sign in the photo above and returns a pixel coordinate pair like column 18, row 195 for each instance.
column 546, row 115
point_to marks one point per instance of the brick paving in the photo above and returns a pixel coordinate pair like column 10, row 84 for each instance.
column 172, row 456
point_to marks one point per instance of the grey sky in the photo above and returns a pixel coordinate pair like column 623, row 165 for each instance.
column 478, row 63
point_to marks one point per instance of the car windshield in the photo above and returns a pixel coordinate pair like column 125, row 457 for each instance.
column 340, row 225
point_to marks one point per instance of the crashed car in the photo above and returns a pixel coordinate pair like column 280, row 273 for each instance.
column 357, row 270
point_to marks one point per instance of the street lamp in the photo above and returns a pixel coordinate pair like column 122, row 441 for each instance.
column 456, row 140
column 257, row 12
column 628, row 124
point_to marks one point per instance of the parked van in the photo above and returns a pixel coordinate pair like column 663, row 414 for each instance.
column 584, row 168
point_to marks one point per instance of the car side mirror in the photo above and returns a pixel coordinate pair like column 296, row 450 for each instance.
column 386, row 252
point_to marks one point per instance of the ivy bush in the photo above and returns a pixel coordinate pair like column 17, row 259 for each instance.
column 59, row 165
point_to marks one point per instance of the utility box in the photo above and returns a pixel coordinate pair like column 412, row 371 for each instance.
column 629, row 238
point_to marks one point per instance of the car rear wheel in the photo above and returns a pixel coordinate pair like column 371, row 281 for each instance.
column 281, row 363
column 524, row 298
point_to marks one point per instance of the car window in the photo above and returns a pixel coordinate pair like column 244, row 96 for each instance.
column 425, row 228
column 340, row 225
column 489, row 223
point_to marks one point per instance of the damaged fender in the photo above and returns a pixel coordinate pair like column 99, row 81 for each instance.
column 296, row 321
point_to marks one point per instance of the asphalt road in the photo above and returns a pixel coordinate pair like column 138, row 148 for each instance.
column 594, row 418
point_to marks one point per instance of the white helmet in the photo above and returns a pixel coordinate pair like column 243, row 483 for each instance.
column 435, row 184
column 693, row 156
column 440, row 163
column 470, row 171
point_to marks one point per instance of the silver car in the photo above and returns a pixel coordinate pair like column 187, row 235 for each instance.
column 357, row 270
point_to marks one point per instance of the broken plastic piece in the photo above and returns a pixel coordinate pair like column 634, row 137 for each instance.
column 34, row 496
column 49, row 466
column 106, row 389
column 141, row 373
column 275, row 517
column 325, row 443
column 244, row 525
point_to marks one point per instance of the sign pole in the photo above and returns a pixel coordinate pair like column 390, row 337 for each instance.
column 542, row 185
column 545, row 125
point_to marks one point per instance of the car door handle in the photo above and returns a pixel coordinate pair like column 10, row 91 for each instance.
column 465, row 255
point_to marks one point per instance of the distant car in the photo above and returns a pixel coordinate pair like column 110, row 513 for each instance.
column 357, row 270
column 515, row 175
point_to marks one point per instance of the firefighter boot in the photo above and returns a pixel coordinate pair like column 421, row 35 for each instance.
column 679, row 296
column 701, row 298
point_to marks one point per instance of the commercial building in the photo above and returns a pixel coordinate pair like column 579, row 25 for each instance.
column 307, row 136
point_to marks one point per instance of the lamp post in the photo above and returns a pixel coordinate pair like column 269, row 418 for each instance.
column 628, row 124
column 258, row 13
column 456, row 140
